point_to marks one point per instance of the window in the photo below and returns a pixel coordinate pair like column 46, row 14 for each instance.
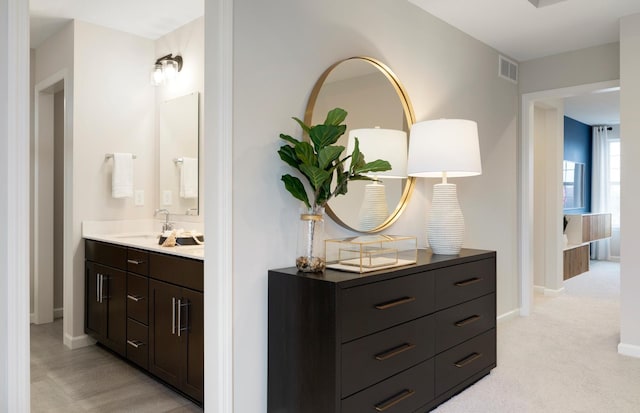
column 614, row 182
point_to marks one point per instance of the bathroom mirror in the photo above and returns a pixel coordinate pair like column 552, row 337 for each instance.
column 373, row 97
column 178, row 158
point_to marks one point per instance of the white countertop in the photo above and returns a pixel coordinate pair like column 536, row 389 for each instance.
column 137, row 234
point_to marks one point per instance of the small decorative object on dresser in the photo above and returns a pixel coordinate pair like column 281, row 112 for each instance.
column 399, row 340
column 319, row 161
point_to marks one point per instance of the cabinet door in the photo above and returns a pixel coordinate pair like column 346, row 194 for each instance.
column 192, row 373
column 96, row 306
column 164, row 343
column 115, row 287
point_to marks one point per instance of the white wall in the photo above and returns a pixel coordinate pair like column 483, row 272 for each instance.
column 579, row 67
column 280, row 48
column 539, row 190
column 629, row 190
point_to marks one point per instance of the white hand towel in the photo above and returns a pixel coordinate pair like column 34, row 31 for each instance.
column 122, row 179
column 189, row 178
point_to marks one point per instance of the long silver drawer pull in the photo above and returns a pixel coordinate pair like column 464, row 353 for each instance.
column 173, row 315
column 179, row 316
column 394, row 351
column 467, row 360
column 392, row 401
column 467, row 320
column 136, row 262
column 97, row 287
column 468, row 282
column 395, row 303
column 135, row 298
column 135, row 343
column 101, row 286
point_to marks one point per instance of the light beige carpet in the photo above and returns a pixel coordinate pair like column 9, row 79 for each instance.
column 563, row 358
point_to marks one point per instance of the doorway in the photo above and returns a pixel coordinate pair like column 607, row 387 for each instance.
column 553, row 207
column 47, row 198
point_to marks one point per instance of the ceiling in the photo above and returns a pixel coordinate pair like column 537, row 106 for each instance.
column 521, row 29
column 147, row 18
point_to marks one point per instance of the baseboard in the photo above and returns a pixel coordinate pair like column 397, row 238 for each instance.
column 78, row 341
column 509, row 315
column 553, row 293
column 32, row 318
column 538, row 289
column 629, row 350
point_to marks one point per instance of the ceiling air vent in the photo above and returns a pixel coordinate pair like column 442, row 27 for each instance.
column 507, row 69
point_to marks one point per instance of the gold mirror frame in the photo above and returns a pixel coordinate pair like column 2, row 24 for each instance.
column 409, row 118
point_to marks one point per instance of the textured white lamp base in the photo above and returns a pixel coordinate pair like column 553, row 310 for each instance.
column 445, row 229
column 373, row 211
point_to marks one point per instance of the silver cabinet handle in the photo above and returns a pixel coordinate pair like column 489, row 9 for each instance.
column 179, row 316
column 135, row 343
column 97, row 287
column 136, row 262
column 173, row 315
column 135, row 298
column 101, row 287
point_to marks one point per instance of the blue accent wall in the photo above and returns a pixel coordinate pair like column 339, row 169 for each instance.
column 577, row 148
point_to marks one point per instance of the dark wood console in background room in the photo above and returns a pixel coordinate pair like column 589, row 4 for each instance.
column 399, row 340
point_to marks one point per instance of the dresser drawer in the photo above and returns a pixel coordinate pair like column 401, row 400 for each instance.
column 107, row 254
column 402, row 393
column 138, row 261
column 461, row 362
column 373, row 307
column 138, row 343
column 457, row 324
column 176, row 270
column 138, row 298
column 371, row 359
column 464, row 282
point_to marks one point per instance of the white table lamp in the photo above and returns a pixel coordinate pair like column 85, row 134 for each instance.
column 444, row 148
column 389, row 145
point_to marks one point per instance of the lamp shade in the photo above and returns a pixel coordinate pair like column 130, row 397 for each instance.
column 444, row 146
column 386, row 144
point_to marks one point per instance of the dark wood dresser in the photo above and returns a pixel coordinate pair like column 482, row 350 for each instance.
column 400, row 340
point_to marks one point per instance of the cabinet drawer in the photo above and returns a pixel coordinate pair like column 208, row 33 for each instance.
column 138, row 298
column 176, row 270
column 461, row 362
column 402, row 393
column 107, row 254
column 371, row 359
column 138, row 261
column 373, row 307
column 460, row 323
column 138, row 343
column 464, row 282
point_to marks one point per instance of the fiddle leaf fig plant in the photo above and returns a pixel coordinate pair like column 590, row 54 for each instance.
column 319, row 161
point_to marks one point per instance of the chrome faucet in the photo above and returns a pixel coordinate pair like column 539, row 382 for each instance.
column 167, row 226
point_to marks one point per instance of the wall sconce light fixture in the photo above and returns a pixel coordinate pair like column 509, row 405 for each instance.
column 165, row 69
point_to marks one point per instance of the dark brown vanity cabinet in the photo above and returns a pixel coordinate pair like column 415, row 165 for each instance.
column 105, row 284
column 400, row 340
column 176, row 322
column 149, row 308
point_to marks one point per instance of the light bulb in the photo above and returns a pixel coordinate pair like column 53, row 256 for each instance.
column 170, row 69
column 157, row 77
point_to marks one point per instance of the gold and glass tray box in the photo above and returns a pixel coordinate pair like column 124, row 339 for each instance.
column 371, row 252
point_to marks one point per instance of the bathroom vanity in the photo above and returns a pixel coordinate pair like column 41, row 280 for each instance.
column 145, row 303
column 399, row 340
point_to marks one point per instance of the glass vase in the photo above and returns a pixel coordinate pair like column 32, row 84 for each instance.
column 311, row 237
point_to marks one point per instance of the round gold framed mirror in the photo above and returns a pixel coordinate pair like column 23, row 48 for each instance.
column 374, row 99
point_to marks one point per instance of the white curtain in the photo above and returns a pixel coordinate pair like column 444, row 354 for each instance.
column 600, row 186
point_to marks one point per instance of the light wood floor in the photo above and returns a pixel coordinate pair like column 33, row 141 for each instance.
column 91, row 379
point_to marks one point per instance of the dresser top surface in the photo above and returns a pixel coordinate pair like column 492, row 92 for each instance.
column 426, row 261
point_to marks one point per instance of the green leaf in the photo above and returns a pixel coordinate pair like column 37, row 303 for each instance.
column 335, row 117
column 306, row 154
column 303, row 125
column 357, row 158
column 288, row 155
column 295, row 187
column 378, row 165
column 325, row 135
column 329, row 154
column 288, row 138
column 316, row 176
column 342, row 181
